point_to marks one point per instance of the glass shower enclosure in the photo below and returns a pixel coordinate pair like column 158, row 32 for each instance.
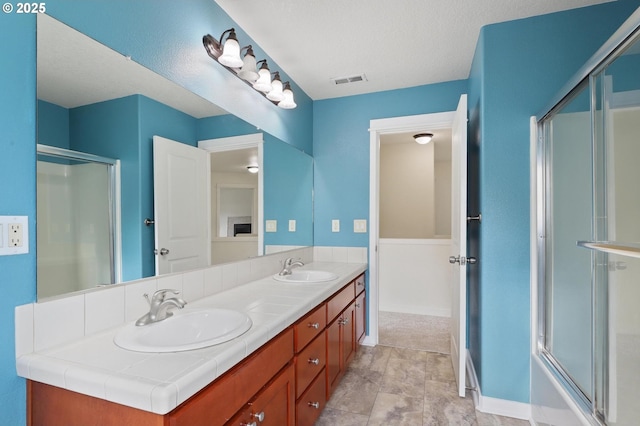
column 589, row 238
column 77, row 221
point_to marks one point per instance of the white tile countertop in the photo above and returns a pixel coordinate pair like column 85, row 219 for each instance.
column 159, row 382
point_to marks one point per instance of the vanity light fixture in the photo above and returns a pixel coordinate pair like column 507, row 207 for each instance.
column 252, row 169
column 263, row 84
column 287, row 102
column 275, row 94
column 423, row 138
column 227, row 52
column 249, row 70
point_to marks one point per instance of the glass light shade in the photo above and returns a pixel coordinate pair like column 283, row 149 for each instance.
column 248, row 71
column 276, row 94
column 263, row 83
column 423, row 138
column 287, row 102
column 231, row 53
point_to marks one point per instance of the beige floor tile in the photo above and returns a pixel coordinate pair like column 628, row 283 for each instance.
column 404, row 377
column 356, row 392
column 333, row 417
column 392, row 410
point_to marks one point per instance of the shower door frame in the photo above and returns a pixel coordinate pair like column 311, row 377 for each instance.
column 625, row 35
column 115, row 228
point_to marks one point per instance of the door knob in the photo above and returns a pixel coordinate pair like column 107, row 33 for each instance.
column 454, row 259
column 472, row 260
column 163, row 252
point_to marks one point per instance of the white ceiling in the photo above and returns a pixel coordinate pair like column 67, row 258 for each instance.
column 396, row 44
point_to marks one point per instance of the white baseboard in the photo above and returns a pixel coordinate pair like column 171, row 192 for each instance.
column 368, row 341
column 500, row 407
column 415, row 309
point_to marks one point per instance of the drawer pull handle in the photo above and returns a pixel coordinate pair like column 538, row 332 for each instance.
column 315, row 405
column 360, row 283
column 345, row 321
column 314, row 325
column 357, row 305
column 259, row 416
column 314, row 361
column 249, row 424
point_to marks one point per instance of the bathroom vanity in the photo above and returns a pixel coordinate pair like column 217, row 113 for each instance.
column 287, row 380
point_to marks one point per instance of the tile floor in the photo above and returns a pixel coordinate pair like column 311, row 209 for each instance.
column 405, row 381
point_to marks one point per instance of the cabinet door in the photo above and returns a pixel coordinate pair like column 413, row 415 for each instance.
column 333, row 355
column 348, row 336
column 361, row 317
column 273, row 406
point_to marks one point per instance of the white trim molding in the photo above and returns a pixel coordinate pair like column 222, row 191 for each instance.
column 489, row 405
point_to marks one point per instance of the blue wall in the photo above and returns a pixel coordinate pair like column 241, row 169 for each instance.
column 519, row 66
column 110, row 129
column 17, row 193
column 53, row 125
column 341, row 152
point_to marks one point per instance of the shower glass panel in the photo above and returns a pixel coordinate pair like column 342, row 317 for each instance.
column 568, row 273
column 618, row 104
column 76, row 222
column 590, row 253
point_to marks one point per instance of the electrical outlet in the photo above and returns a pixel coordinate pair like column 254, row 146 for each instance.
column 271, row 226
column 15, row 235
column 335, row 225
column 360, row 225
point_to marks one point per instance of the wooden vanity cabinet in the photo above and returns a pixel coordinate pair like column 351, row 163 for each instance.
column 287, row 381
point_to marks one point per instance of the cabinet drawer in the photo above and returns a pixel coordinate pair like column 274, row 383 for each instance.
column 311, row 403
column 309, row 327
column 219, row 401
column 309, row 363
column 273, row 406
column 340, row 300
column 360, row 284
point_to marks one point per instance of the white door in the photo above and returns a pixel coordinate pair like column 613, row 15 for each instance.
column 459, row 243
column 181, row 206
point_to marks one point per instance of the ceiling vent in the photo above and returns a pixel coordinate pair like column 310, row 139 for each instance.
column 350, row 79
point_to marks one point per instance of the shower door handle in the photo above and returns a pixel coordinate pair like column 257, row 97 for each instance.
column 462, row 260
column 163, row 252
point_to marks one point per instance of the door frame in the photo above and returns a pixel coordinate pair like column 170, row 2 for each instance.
column 440, row 120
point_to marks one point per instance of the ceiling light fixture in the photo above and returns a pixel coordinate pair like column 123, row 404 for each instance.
column 252, row 169
column 228, row 54
column 423, row 138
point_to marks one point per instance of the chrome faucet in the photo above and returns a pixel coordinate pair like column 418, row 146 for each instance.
column 288, row 264
column 159, row 306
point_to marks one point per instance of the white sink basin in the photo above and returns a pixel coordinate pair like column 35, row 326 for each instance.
column 306, row 276
column 185, row 330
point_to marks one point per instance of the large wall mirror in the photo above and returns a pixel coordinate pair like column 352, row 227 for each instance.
column 95, row 103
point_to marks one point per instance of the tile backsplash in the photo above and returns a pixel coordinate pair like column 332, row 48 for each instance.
column 62, row 320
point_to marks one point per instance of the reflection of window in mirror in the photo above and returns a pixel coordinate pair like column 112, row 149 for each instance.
column 236, row 210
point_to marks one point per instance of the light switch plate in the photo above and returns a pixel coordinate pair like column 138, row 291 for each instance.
column 360, row 225
column 271, row 226
column 14, row 229
column 335, row 225
column 292, row 225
